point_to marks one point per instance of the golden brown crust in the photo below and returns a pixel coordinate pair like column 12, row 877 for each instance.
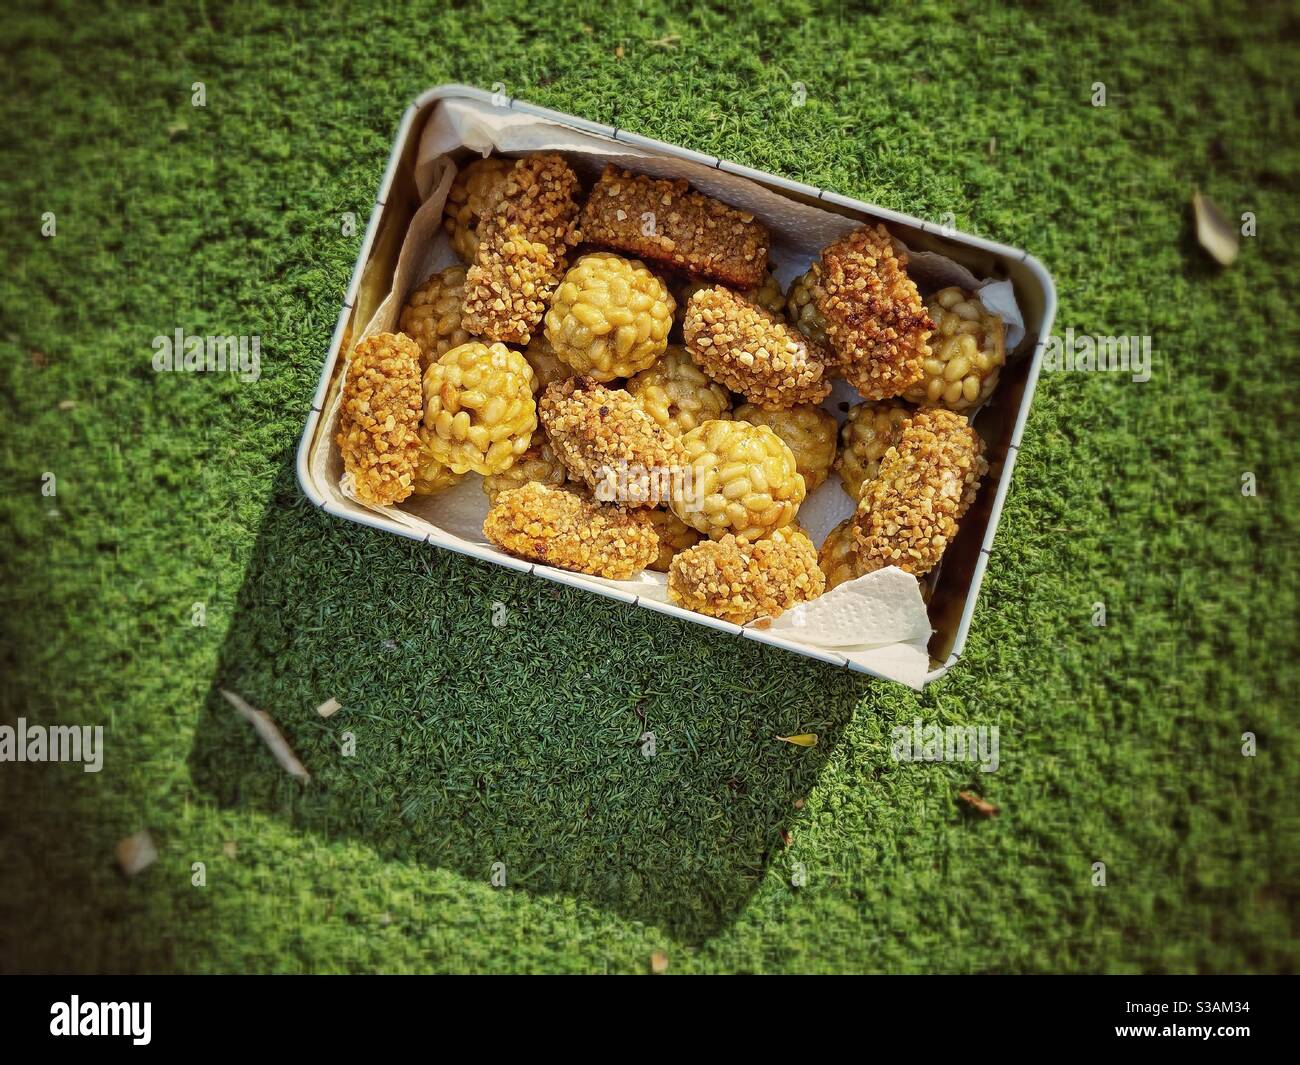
column 739, row 580
column 689, row 231
column 875, row 321
column 748, row 350
column 743, row 479
column 473, row 197
column 808, row 431
column 558, row 527
column 870, row 430
column 609, row 443
column 677, row 395
column 610, row 316
column 432, row 314
column 478, row 404
column 522, row 250
column 379, row 418
column 909, row 513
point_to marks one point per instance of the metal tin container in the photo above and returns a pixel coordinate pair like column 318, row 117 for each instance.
column 1001, row 422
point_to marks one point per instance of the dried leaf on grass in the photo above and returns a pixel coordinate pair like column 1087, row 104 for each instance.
column 978, row 804
column 804, row 739
column 658, row 962
column 1215, row 233
column 136, row 853
column 270, row 735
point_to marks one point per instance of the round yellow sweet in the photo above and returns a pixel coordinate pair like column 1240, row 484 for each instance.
column 967, row 350
column 610, row 317
column 741, row 479
column 478, row 404
column 431, row 316
column 871, row 429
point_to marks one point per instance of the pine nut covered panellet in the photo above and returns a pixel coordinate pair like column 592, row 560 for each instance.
column 379, row 418
column 802, row 312
column 742, row 479
column 432, row 313
column 967, row 350
column 479, row 408
column 838, row 557
column 677, row 395
column 675, row 536
column 610, row 317
column 431, row 476
column 870, row 430
column 538, row 463
column 473, row 197
column 808, row 431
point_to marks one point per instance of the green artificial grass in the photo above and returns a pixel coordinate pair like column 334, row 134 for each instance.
column 477, row 744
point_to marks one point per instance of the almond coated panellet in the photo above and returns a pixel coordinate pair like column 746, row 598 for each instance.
column 538, row 463
column 674, row 536
column 431, row 476
column 522, row 250
column 908, row 513
column 967, row 350
column 507, row 287
column 558, row 527
column 741, row 479
column 610, row 316
column 379, row 418
column 667, row 222
column 432, row 313
column 874, row 318
column 478, row 404
column 739, row 580
column 609, row 443
column 748, row 350
column 768, row 295
column 473, row 197
column 870, row 430
column 677, row 395
column 808, row 431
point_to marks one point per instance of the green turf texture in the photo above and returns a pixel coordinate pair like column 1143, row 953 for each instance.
column 478, row 744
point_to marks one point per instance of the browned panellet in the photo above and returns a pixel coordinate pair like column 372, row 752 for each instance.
column 875, row 321
column 669, row 223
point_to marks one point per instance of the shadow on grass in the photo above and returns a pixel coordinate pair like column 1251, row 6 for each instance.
column 521, row 743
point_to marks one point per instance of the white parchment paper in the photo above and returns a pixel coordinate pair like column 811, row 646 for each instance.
column 878, row 620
